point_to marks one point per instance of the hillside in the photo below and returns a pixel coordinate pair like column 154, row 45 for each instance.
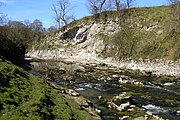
column 137, row 33
column 24, row 97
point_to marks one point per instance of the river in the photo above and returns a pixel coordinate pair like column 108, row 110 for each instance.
column 117, row 93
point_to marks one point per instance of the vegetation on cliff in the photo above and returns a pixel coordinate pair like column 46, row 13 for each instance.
column 146, row 33
column 151, row 32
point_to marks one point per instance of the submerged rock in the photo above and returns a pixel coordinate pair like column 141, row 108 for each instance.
column 120, row 102
column 124, row 118
column 88, row 106
column 71, row 92
column 118, row 108
column 130, row 81
column 100, row 97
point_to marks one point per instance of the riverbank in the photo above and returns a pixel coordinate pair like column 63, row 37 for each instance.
column 24, row 96
column 145, row 38
column 157, row 67
column 117, row 93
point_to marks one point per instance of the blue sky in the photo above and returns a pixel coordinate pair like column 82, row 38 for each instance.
column 41, row 9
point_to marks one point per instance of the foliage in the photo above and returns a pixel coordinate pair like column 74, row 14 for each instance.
column 62, row 15
column 9, row 49
column 23, row 96
column 16, row 37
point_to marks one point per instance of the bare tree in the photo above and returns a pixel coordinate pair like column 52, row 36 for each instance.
column 109, row 5
column 117, row 2
column 61, row 11
column 174, row 1
column 95, row 6
column 92, row 6
column 129, row 3
column 102, row 2
column 51, row 29
column 37, row 26
column 57, row 16
column 70, row 18
column 64, row 9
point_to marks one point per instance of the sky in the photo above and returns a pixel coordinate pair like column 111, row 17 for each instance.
column 41, row 9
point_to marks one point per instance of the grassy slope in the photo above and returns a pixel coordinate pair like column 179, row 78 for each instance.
column 23, row 96
column 137, row 42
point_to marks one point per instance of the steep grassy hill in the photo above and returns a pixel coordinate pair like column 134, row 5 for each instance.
column 26, row 97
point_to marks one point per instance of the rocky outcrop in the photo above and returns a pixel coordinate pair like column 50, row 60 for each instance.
column 157, row 67
column 120, row 102
column 91, row 42
column 124, row 104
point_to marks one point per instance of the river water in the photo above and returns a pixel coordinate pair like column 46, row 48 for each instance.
column 140, row 95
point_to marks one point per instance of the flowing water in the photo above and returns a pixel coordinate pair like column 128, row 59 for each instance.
column 149, row 95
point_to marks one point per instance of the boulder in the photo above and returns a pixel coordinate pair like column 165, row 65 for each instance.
column 62, row 70
column 71, row 92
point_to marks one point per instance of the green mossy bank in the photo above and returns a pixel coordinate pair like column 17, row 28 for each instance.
column 26, row 97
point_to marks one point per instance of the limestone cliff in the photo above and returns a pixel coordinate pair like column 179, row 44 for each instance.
column 134, row 34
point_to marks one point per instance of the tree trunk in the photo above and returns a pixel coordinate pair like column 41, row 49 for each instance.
column 101, row 6
column 117, row 5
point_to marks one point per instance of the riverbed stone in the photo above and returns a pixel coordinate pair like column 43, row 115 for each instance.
column 100, row 97
column 127, row 103
column 72, row 92
column 140, row 118
column 62, row 70
column 88, row 106
column 124, row 118
column 115, row 76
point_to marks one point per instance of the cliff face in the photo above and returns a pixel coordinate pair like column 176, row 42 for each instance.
column 134, row 34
